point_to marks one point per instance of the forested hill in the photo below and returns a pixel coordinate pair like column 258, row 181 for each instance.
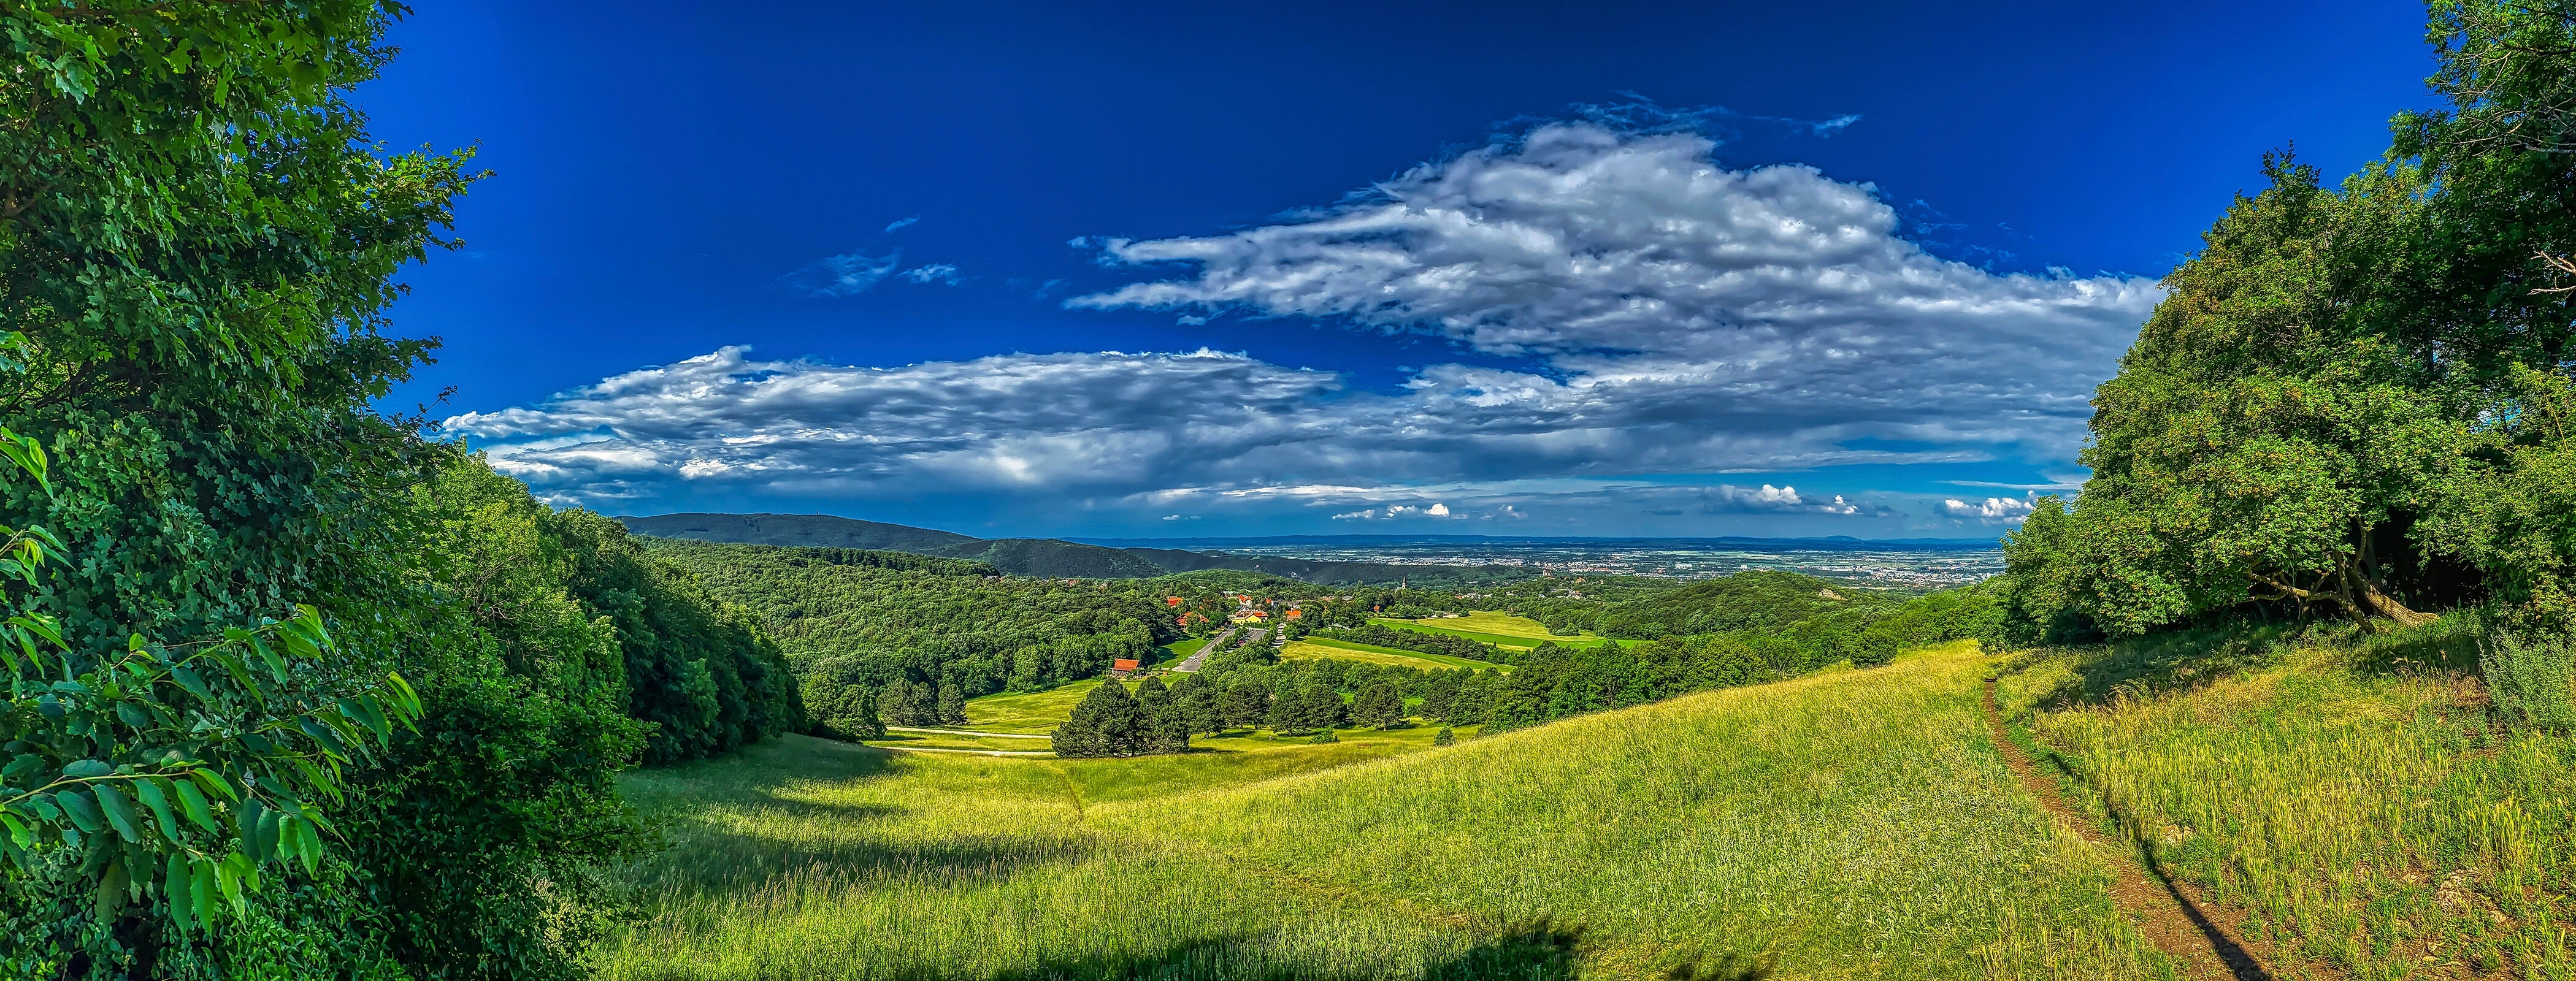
column 1040, row 557
column 869, row 629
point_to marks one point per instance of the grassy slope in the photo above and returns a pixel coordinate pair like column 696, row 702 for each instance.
column 1035, row 712
column 1498, row 629
column 2371, row 819
column 1329, row 647
column 1850, row 825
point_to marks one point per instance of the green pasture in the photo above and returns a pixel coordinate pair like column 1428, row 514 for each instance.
column 1522, row 637
column 1849, row 825
column 1030, row 713
column 1180, row 650
column 1326, row 647
column 943, row 740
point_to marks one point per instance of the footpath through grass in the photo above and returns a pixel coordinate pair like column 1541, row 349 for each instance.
column 1852, row 825
column 2353, row 796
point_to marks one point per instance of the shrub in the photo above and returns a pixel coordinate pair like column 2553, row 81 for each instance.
column 2528, row 679
column 1445, row 738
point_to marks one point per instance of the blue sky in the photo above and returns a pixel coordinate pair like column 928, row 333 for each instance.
column 1191, row 270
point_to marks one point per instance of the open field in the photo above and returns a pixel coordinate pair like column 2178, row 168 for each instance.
column 1468, row 627
column 1032, row 713
column 1313, row 647
column 1847, row 825
column 1179, row 650
column 2371, row 820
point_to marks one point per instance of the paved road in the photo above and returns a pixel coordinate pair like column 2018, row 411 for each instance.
column 1196, row 661
column 1254, row 637
column 965, row 732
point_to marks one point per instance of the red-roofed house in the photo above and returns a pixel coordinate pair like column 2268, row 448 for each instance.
column 1123, row 667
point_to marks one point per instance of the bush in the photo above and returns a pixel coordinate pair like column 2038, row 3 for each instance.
column 1325, row 736
column 2528, row 679
column 1445, row 738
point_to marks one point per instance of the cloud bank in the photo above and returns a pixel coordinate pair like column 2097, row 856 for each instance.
column 1663, row 315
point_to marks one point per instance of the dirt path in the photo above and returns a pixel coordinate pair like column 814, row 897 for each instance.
column 976, row 752
column 2171, row 914
column 966, row 732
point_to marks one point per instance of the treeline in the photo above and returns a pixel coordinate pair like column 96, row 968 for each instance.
column 884, row 638
column 321, row 696
column 699, row 673
column 2358, row 401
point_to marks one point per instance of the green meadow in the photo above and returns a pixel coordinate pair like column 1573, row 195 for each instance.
column 2351, row 795
column 1315, row 647
column 1854, row 824
column 1498, row 629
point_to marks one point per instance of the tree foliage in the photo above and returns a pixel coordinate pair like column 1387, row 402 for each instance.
column 2352, row 402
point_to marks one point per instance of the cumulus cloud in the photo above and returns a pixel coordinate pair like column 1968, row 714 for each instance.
column 1645, row 310
column 1993, row 510
column 836, row 276
column 1649, row 277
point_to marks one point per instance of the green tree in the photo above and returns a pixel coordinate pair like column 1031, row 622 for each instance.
column 1107, row 722
column 1167, row 722
column 1380, row 705
column 1245, row 705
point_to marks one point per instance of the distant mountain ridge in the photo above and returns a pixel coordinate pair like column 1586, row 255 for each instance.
column 1042, row 557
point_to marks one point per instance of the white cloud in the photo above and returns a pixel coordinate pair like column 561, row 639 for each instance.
column 1648, row 276
column 1645, row 311
column 938, row 273
column 1993, row 510
column 900, row 223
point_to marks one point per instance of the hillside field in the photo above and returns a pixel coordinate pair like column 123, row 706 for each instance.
column 1847, row 825
column 1496, row 628
column 1328, row 647
column 2351, row 799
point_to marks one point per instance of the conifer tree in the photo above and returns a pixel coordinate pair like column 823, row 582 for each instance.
column 1107, row 722
column 1321, row 706
column 1167, row 728
column 952, row 704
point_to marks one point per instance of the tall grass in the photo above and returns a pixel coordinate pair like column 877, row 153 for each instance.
column 1847, row 825
column 2378, row 822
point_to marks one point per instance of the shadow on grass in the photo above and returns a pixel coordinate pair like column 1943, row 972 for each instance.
column 1538, row 951
column 2188, row 658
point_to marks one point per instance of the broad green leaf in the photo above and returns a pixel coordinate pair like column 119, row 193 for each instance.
column 214, row 783
column 174, row 892
column 194, row 685
column 84, row 769
column 193, row 803
column 18, row 832
column 154, row 792
column 119, row 810
column 258, row 829
column 76, row 804
column 203, row 891
column 276, row 665
column 110, row 895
